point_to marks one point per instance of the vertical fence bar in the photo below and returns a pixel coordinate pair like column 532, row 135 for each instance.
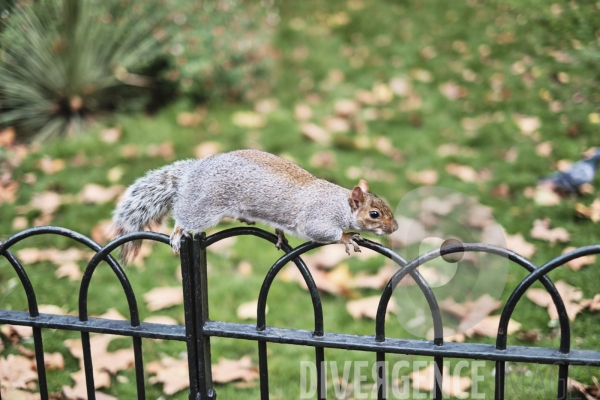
column 40, row 363
column 263, row 370
column 500, row 379
column 200, row 291
column 88, row 366
column 321, row 378
column 563, row 376
column 139, row 368
column 381, row 387
column 437, row 377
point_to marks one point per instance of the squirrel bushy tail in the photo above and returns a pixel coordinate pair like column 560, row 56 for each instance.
column 146, row 203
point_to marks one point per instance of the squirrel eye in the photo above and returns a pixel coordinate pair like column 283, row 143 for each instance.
column 374, row 214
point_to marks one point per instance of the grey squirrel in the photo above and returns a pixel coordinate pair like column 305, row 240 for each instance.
column 250, row 186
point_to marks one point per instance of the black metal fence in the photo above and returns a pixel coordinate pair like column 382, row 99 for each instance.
column 199, row 328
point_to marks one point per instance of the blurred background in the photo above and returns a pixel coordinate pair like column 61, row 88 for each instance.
column 485, row 97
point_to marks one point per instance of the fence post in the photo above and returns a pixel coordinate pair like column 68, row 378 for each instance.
column 195, row 300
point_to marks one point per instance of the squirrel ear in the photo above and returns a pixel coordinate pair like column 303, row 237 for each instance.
column 364, row 185
column 357, row 198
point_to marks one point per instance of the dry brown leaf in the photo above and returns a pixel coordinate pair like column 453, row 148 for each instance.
column 463, row 172
column 266, row 106
column 164, row 150
column 519, row 245
column 334, row 282
column 421, row 75
column 16, row 332
column 489, row 327
column 52, row 309
column 69, row 270
column 189, row 119
column 93, row 193
column 161, row 319
column 592, row 212
column 579, row 262
column 248, row 310
column 172, row 373
column 367, row 307
column 453, row 386
column 223, row 245
column 303, row 112
column 470, row 312
column 17, row 371
column 315, row 133
column 591, row 392
column 244, row 268
column 346, row 107
column 323, row 159
column 102, row 232
column 46, row 202
column 527, row 124
column 17, row 394
column 249, row 119
column 541, row 230
column 545, row 195
column 336, row 124
column 377, row 281
column 382, row 92
column 79, row 389
column 572, row 298
column 110, row 135
column 544, row 149
column 112, row 313
column 7, row 136
column 54, row 361
column 163, row 297
column 426, row 177
column 206, row 149
column 232, row 370
column 51, row 166
column 400, row 86
column 452, row 91
column 8, row 192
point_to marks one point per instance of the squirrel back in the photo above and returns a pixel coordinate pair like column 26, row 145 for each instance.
column 251, row 186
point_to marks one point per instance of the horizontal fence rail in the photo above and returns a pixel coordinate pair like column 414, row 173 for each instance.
column 199, row 329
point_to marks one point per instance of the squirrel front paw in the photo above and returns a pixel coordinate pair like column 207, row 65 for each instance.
column 281, row 239
column 350, row 238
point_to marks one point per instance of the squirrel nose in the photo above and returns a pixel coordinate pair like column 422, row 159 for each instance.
column 395, row 228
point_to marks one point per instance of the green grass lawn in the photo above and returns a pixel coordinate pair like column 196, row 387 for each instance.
column 504, row 59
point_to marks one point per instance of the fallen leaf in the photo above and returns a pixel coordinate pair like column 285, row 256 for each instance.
column 161, row 319
column 164, row 150
column 16, row 332
column 336, row 124
column 470, row 313
column 163, row 297
column 382, row 92
column 452, row 385
column 463, row 172
column 426, row 177
column 452, row 91
column 7, row 136
column 266, row 106
column 51, row 166
column 101, row 232
column 249, row 119
column 545, row 195
column 488, row 326
column 69, row 270
column 527, row 124
column 46, row 202
column 346, row 107
column 8, row 192
column 571, row 296
column 367, row 307
column 544, row 149
column 400, row 86
column 110, row 135
column 17, row 371
column 315, row 133
column 172, row 373
column 519, row 245
column 377, row 281
column 52, row 309
column 323, row 159
column 591, row 392
column 206, row 149
column 189, row 119
column 592, row 212
column 303, row 112
column 579, row 262
column 421, row 75
column 54, row 361
column 227, row 370
column 541, row 230
column 248, row 310
column 93, row 193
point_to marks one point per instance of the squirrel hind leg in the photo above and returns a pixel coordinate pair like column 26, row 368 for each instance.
column 176, row 236
column 281, row 239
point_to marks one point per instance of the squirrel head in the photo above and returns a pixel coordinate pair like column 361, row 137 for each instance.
column 372, row 214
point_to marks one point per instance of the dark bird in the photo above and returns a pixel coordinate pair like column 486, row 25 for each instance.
column 580, row 173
